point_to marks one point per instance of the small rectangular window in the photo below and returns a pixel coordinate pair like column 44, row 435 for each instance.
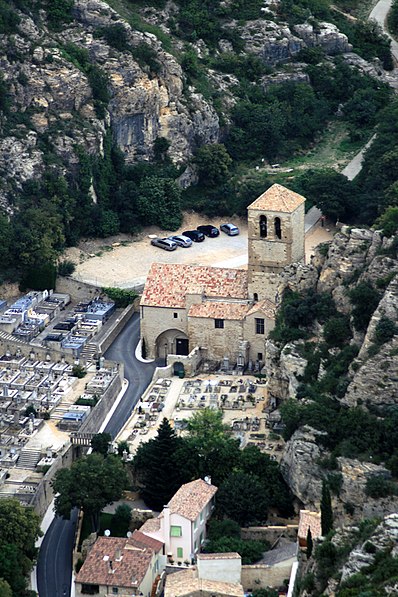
column 201, row 517
column 259, row 356
column 175, row 531
column 259, row 326
column 219, row 323
column 175, row 315
column 180, row 552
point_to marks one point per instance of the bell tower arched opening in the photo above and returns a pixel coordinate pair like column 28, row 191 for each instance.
column 263, row 227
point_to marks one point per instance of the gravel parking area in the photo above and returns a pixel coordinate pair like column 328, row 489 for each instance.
column 124, row 261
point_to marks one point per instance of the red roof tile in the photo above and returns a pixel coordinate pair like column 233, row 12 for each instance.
column 167, row 284
column 278, row 198
column 103, row 566
column 191, row 498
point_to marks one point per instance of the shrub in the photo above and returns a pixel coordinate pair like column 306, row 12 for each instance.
column 378, row 487
column 115, row 35
column 66, row 268
column 385, row 330
column 364, row 298
column 121, row 297
column 78, row 371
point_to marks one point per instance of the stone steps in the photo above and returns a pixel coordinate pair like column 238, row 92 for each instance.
column 28, row 459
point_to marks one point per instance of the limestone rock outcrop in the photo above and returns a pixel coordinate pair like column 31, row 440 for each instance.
column 299, row 466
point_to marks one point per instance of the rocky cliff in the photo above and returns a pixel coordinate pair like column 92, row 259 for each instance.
column 138, row 89
column 356, row 259
column 354, row 256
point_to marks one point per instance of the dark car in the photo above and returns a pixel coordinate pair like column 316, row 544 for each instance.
column 209, row 230
column 194, row 235
column 164, row 243
column 181, row 241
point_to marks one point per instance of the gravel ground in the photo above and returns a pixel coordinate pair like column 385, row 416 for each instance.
column 126, row 265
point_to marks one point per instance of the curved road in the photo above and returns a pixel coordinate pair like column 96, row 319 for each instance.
column 54, row 565
column 379, row 14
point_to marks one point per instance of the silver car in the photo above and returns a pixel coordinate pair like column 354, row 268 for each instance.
column 230, row 229
column 164, row 243
column 181, row 240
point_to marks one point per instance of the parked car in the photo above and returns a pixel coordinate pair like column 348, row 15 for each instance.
column 164, row 243
column 181, row 241
column 194, row 235
column 209, row 230
column 230, row 229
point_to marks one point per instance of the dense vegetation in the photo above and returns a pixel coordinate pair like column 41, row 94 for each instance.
column 249, row 481
column 19, row 530
column 55, row 211
column 350, row 432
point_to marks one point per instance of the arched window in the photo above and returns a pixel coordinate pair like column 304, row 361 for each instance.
column 255, row 297
column 263, row 226
column 278, row 230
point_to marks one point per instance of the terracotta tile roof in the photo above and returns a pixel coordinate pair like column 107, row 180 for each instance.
column 140, row 540
column 151, row 525
column 278, row 198
column 191, row 498
column 186, row 582
column 218, row 556
column 219, row 310
column 167, row 284
column 311, row 520
column 266, row 307
column 128, row 571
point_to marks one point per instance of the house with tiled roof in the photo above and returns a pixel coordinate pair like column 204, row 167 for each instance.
column 122, row 566
column 181, row 525
column 226, row 314
column 312, row 521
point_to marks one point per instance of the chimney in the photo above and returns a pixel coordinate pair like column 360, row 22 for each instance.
column 208, row 479
column 111, row 569
column 118, row 555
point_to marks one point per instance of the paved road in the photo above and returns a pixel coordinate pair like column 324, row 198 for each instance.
column 355, row 166
column 379, row 14
column 54, row 566
column 137, row 373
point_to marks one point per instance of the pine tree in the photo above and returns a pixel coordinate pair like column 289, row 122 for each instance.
column 326, row 510
column 155, row 466
column 310, row 543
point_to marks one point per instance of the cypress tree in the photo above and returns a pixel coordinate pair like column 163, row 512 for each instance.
column 326, row 510
column 155, row 466
column 310, row 543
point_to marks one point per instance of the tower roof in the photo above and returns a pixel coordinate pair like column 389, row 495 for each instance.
column 278, row 198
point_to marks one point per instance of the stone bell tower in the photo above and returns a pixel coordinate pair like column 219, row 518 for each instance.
column 276, row 235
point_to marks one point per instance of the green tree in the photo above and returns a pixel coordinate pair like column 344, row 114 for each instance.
column 310, row 544
column 223, row 528
column 213, row 162
column 329, row 190
column 59, row 12
column 326, row 510
column 208, row 449
column 91, row 483
column 155, row 467
column 121, row 521
column 388, row 221
column 242, row 499
column 250, row 551
column 159, row 202
column 19, row 526
column 19, row 530
column 364, row 298
column 5, row 589
column 100, row 443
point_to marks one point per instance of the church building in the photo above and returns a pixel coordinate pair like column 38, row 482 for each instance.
column 227, row 312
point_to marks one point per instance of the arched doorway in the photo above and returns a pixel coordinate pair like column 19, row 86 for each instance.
column 172, row 342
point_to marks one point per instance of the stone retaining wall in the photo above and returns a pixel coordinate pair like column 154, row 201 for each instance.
column 98, row 413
